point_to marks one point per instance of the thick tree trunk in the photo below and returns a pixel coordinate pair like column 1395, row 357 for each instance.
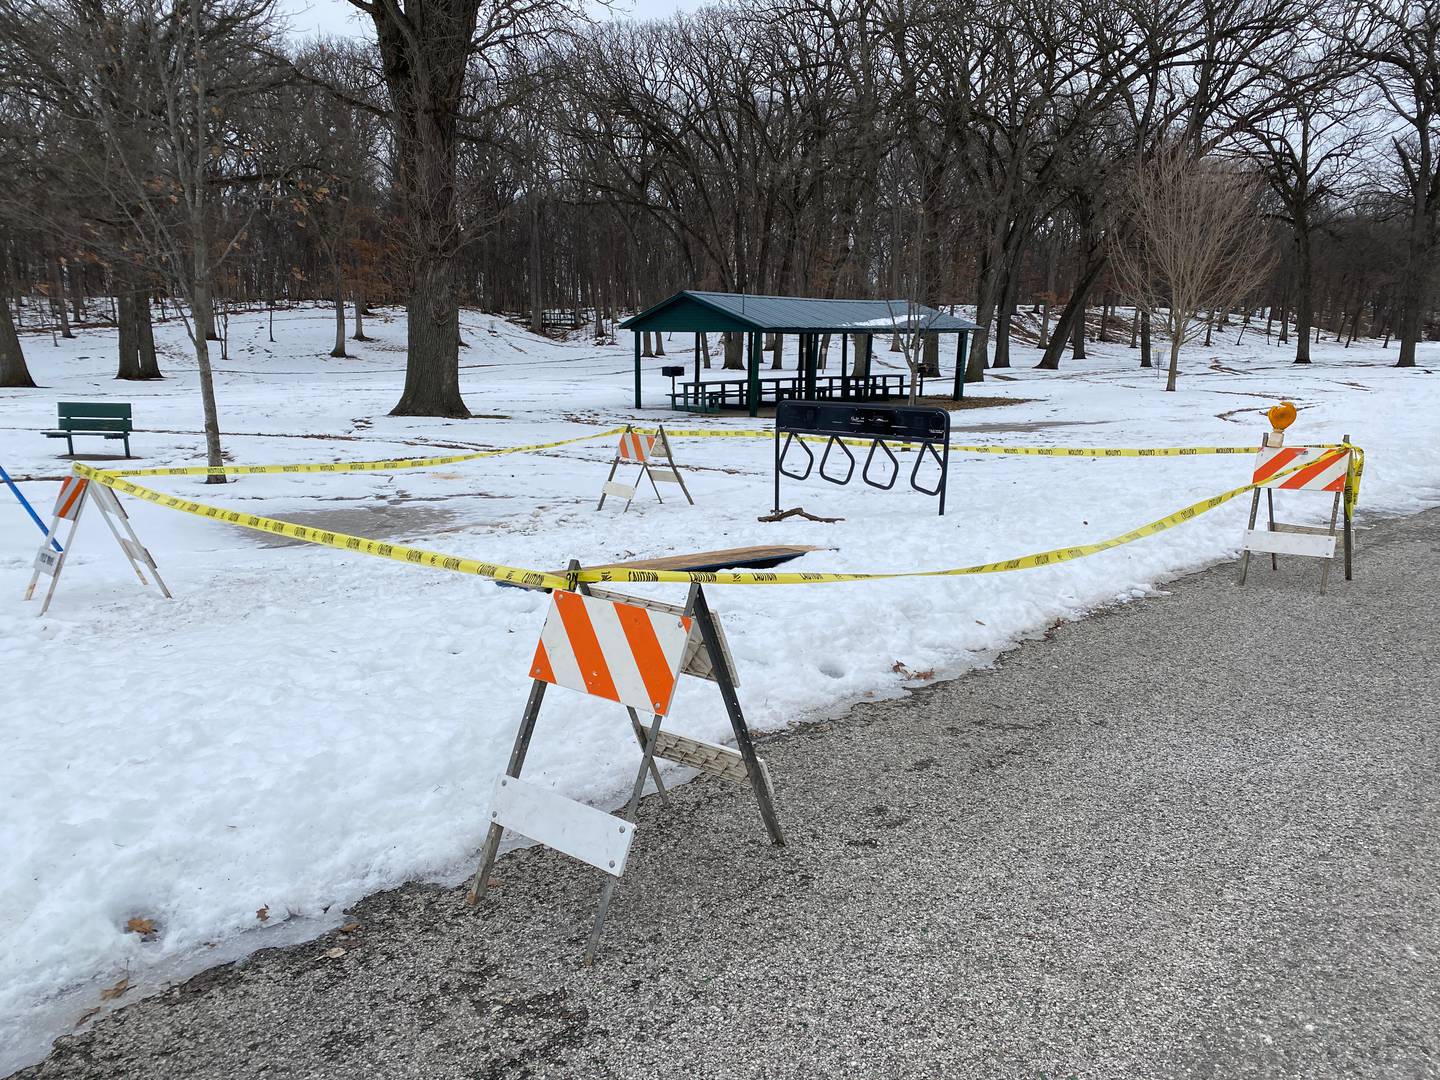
column 1145, row 360
column 57, row 296
column 1304, row 302
column 339, row 284
column 734, row 351
column 13, row 371
column 860, row 365
column 424, row 49
column 432, row 342
column 1412, row 288
column 1003, row 319
column 537, row 296
column 1074, row 309
column 137, row 361
column 359, row 334
column 1077, row 337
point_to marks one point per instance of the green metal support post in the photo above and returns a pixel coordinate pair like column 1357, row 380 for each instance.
column 962, row 349
column 637, row 368
column 754, row 382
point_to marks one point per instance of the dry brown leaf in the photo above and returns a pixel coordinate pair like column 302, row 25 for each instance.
column 137, row 925
column 335, row 953
column 350, row 928
column 110, row 993
column 263, row 913
column 87, row 1015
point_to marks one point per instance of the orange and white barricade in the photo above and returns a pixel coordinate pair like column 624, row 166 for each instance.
column 76, row 492
column 630, row 651
column 637, row 448
column 1316, row 469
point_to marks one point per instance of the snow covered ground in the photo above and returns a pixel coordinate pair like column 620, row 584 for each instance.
column 299, row 726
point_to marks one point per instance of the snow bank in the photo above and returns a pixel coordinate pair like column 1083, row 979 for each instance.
column 300, row 727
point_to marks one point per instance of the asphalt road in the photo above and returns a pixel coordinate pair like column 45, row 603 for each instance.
column 1191, row 837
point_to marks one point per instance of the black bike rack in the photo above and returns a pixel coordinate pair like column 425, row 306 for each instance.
column 880, row 425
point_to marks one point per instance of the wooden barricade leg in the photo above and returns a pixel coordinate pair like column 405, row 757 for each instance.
column 481, row 880
column 1270, row 506
column 645, row 468
column 640, row 737
column 631, row 810
column 725, row 679
column 613, row 466
column 1245, row 555
column 55, row 560
column 130, row 544
column 1325, row 570
column 1348, row 508
column 670, row 459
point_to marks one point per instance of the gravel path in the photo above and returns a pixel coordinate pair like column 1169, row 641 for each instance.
column 1192, row 837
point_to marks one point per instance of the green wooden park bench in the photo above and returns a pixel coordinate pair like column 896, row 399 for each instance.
column 107, row 420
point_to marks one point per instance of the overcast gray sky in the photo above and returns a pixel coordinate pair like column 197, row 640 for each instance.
column 307, row 17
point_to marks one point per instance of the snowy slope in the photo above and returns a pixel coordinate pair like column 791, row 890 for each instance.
column 299, row 727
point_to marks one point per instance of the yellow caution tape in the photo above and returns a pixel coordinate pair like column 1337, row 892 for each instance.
column 959, row 448
column 398, row 552
column 543, row 580
column 358, row 466
column 1024, row 562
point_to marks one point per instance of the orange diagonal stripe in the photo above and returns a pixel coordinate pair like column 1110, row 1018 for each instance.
column 540, row 666
column 585, row 645
column 1267, row 469
column 70, row 494
column 649, row 657
column 1314, row 469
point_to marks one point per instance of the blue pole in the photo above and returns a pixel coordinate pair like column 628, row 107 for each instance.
column 28, row 508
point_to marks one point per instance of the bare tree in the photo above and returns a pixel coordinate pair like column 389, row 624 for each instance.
column 1195, row 242
column 1309, row 127
column 427, row 47
column 1399, row 40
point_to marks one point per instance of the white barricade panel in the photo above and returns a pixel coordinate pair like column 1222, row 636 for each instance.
column 571, row 827
column 620, row 491
column 1290, row 543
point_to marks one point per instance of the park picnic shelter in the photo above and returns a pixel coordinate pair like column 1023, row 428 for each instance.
column 808, row 320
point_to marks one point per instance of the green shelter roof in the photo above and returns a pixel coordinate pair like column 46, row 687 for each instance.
column 701, row 312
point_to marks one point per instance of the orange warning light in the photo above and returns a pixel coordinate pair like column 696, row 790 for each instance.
column 1282, row 415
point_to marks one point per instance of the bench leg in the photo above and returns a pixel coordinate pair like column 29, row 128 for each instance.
column 127, row 444
column 70, row 445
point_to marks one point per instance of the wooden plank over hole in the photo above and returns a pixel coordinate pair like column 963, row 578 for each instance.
column 582, row 832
